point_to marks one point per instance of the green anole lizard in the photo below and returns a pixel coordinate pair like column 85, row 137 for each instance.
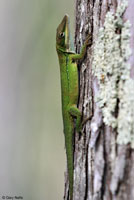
column 69, row 90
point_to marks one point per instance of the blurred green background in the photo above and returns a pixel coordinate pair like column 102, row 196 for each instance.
column 32, row 150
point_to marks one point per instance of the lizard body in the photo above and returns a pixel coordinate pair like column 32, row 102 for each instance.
column 69, row 90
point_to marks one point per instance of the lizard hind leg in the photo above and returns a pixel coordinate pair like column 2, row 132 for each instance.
column 75, row 112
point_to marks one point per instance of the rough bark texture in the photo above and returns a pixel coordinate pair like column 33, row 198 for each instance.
column 103, row 169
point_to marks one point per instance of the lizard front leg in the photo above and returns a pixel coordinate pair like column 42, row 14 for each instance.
column 80, row 56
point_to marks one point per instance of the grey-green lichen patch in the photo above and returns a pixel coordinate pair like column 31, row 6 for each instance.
column 126, row 113
column 111, row 52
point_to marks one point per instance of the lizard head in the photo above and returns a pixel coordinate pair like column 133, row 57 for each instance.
column 62, row 36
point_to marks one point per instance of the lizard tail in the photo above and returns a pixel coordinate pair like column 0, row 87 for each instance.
column 69, row 152
column 70, row 175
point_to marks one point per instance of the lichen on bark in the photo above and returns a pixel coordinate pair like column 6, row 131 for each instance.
column 110, row 66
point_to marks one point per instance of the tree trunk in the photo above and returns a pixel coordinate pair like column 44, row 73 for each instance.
column 103, row 154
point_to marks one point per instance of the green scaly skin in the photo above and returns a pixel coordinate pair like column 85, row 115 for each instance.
column 69, row 90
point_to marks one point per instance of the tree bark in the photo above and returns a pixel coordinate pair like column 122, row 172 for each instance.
column 103, row 154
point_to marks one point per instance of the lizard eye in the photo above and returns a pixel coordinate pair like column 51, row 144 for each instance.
column 62, row 34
